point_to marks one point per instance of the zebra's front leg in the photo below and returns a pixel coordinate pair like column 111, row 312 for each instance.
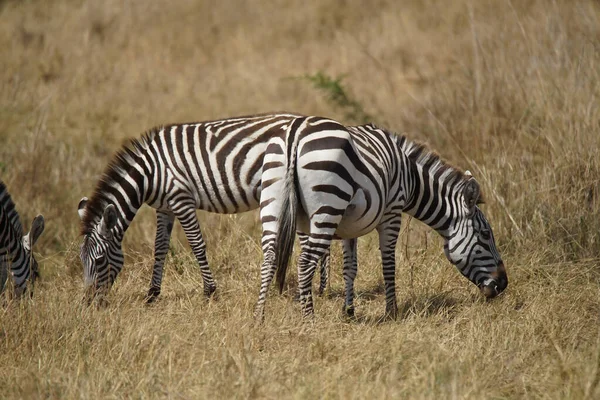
column 164, row 227
column 388, row 237
column 349, row 272
column 313, row 251
column 186, row 214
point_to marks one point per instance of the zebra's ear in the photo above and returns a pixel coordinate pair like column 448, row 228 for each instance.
column 37, row 227
column 109, row 220
column 471, row 194
column 81, row 207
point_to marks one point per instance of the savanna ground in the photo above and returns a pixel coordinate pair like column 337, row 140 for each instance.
column 507, row 89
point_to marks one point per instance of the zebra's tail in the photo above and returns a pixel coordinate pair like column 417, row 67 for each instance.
column 286, row 230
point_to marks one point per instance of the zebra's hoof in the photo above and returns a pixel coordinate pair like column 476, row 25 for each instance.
column 259, row 317
column 348, row 311
column 308, row 316
column 102, row 302
column 391, row 314
column 211, row 292
column 152, row 295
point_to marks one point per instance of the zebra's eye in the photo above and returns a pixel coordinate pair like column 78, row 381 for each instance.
column 485, row 235
column 100, row 260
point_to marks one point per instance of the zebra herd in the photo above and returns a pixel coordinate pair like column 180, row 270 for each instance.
column 308, row 175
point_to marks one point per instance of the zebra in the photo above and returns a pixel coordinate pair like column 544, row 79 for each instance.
column 214, row 166
column 335, row 182
column 15, row 248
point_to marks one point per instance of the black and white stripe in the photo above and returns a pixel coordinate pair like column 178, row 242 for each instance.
column 15, row 248
column 332, row 182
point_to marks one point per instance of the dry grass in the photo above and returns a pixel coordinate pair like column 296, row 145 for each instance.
column 507, row 89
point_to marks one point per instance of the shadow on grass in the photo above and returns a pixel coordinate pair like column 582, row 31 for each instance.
column 370, row 293
column 427, row 305
column 423, row 306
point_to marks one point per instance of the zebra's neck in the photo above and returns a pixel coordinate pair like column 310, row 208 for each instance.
column 12, row 253
column 124, row 184
column 433, row 188
column 10, row 243
column 11, row 231
column 10, row 213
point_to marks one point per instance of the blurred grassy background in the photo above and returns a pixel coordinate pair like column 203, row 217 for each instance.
column 506, row 89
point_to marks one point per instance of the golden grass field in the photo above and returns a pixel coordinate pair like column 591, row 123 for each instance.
column 507, row 89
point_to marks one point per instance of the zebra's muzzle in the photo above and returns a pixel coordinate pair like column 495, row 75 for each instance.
column 490, row 291
column 97, row 296
column 497, row 284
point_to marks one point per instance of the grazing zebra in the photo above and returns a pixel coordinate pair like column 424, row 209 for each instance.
column 214, row 166
column 330, row 182
column 15, row 249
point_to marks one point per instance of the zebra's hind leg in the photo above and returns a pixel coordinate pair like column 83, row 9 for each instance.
column 164, row 227
column 349, row 272
column 186, row 214
column 267, row 272
column 315, row 249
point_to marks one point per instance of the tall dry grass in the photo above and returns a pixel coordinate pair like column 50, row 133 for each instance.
column 506, row 89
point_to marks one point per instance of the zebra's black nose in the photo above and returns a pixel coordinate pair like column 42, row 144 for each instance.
column 490, row 291
column 497, row 285
column 501, row 278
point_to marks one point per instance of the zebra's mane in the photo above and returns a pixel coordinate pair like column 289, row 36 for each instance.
column 421, row 155
column 121, row 161
column 11, row 213
column 427, row 158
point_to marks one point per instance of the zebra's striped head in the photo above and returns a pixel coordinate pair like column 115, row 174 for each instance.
column 29, row 240
column 100, row 252
column 25, row 271
column 470, row 243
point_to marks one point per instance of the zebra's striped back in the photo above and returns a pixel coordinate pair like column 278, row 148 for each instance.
column 15, row 249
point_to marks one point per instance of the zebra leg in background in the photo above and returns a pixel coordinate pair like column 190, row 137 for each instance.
column 349, row 272
column 164, row 227
column 186, row 214
column 388, row 237
column 316, row 248
column 324, row 272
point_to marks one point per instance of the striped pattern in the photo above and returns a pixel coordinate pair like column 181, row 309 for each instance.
column 331, row 182
column 15, row 248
